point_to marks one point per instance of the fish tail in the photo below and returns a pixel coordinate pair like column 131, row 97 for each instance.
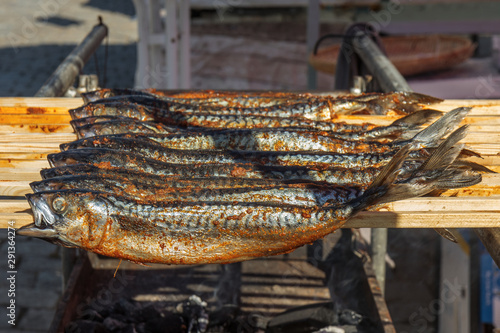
column 438, row 172
column 383, row 182
column 440, row 128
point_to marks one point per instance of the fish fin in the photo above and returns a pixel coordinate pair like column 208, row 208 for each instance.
column 442, row 156
column 414, row 97
column 138, row 263
column 417, row 118
column 116, row 270
column 472, row 165
column 467, row 152
column 389, row 173
column 380, row 185
column 457, row 178
column 447, row 234
column 438, row 129
column 436, row 172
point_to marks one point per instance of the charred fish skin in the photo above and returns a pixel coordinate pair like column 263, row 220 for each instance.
column 299, row 194
column 92, row 126
column 280, row 141
column 144, row 153
column 314, row 107
column 113, row 109
column 194, row 233
column 214, row 120
column 178, row 234
column 234, row 175
column 96, row 95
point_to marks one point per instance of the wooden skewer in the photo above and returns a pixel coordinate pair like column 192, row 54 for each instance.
column 455, row 219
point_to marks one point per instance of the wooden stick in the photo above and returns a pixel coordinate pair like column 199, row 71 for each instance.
column 34, row 129
column 40, row 102
column 455, row 219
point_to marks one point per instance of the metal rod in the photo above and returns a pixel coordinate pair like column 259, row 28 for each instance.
column 185, row 51
column 62, row 78
column 379, row 250
column 172, row 45
column 381, row 67
column 490, row 237
column 313, row 10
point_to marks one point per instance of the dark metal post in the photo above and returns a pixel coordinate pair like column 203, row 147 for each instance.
column 490, row 237
column 389, row 80
column 65, row 74
column 381, row 67
column 313, row 11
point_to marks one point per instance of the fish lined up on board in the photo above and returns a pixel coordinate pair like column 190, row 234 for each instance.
column 216, row 231
column 216, row 177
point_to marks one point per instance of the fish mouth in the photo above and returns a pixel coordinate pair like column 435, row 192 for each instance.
column 41, row 211
column 32, row 230
column 43, row 226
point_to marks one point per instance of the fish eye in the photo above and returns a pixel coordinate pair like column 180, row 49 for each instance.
column 59, row 204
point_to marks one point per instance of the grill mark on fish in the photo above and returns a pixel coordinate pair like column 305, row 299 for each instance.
column 300, row 194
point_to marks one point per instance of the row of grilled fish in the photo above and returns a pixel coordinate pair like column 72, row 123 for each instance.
column 210, row 177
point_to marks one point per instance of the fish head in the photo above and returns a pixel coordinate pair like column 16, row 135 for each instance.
column 46, row 185
column 104, row 128
column 80, row 112
column 76, row 156
column 63, row 158
column 71, row 218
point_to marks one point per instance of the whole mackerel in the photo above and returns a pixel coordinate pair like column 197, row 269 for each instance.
column 217, row 231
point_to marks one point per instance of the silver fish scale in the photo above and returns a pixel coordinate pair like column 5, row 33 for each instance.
column 284, row 110
column 235, row 217
column 264, row 141
column 229, row 121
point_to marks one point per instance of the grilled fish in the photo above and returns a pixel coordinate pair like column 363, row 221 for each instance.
column 201, row 190
column 212, row 232
column 403, row 128
column 232, row 175
column 401, row 102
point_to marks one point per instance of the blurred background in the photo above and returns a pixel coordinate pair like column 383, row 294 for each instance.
column 262, row 45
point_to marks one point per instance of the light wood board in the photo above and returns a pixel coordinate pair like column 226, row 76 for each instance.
column 31, row 128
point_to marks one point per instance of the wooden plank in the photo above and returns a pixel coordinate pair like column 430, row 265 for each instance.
column 14, row 165
column 16, row 188
column 467, row 212
column 46, row 122
column 34, row 129
column 454, row 219
column 37, row 138
column 51, row 103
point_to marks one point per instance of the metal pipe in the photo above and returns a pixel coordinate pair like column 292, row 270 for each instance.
column 381, row 67
column 62, row 78
column 313, row 13
column 379, row 250
column 490, row 237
